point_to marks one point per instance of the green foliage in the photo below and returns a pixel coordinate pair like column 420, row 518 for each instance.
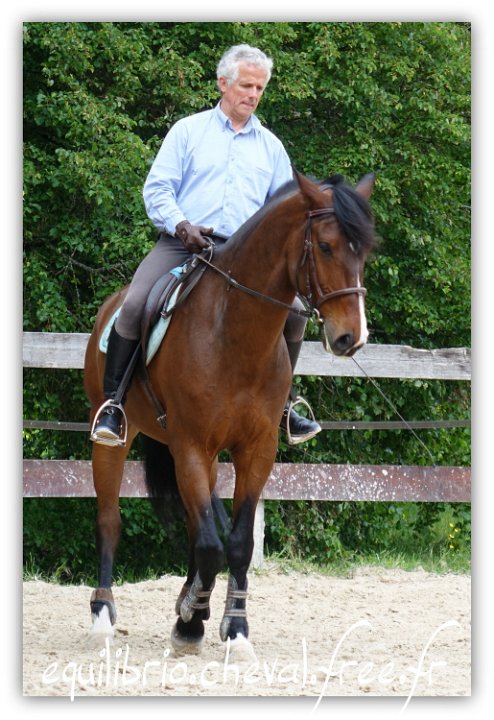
column 346, row 97
column 329, row 534
column 393, row 98
column 59, row 536
column 60, row 540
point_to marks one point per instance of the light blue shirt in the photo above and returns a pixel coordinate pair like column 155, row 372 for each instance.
column 211, row 175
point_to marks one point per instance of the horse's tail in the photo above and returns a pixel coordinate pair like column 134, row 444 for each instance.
column 161, row 483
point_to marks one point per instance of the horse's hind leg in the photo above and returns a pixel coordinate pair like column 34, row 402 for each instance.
column 108, row 465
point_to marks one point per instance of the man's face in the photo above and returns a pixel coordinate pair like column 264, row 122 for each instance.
column 241, row 99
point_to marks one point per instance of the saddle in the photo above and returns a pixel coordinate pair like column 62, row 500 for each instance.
column 166, row 295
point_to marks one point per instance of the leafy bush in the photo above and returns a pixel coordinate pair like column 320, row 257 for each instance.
column 60, row 540
column 59, row 536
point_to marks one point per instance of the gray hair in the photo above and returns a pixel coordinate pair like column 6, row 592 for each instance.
column 229, row 63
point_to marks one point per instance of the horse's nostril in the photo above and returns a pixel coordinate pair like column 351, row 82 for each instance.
column 343, row 343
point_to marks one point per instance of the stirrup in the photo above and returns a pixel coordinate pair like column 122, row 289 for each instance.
column 110, row 442
column 298, row 401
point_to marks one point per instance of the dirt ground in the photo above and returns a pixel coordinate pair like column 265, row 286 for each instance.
column 377, row 633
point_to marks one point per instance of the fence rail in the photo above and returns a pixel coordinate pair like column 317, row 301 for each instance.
column 66, row 351
column 287, row 481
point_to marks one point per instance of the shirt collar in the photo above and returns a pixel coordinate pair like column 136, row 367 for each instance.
column 253, row 122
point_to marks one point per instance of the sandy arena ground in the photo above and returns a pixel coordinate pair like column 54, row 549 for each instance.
column 380, row 633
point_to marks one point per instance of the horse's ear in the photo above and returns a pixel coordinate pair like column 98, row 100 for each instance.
column 365, row 186
column 309, row 189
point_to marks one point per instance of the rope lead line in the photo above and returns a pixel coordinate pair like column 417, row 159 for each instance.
column 395, row 410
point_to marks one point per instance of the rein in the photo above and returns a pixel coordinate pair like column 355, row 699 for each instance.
column 254, row 293
column 307, row 258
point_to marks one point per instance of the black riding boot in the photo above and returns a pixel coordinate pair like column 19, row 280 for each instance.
column 298, row 428
column 107, row 427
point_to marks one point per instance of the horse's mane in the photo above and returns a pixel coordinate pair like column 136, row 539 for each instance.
column 352, row 212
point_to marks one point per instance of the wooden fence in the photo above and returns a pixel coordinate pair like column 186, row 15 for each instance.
column 62, row 478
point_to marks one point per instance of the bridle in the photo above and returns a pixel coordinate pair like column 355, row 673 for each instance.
column 311, row 274
column 308, row 259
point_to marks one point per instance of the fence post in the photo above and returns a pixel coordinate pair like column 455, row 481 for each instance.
column 258, row 554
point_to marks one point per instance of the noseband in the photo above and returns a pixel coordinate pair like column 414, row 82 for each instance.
column 308, row 259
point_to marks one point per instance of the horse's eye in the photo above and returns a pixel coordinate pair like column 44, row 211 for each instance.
column 325, row 249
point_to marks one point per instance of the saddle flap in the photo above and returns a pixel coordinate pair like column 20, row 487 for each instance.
column 168, row 292
column 165, row 296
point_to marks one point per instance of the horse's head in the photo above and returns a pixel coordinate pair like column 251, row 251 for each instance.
column 339, row 234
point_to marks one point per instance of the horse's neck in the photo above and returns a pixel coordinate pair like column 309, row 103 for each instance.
column 259, row 261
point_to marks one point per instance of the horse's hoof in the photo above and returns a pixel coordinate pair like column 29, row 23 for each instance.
column 183, row 645
column 240, row 651
column 102, row 628
column 100, row 598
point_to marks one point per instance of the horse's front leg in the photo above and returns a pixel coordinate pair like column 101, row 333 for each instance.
column 206, row 559
column 252, row 469
column 239, row 554
column 192, row 606
column 253, row 463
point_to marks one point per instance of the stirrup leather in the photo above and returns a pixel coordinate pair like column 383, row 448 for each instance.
column 298, row 401
column 118, row 442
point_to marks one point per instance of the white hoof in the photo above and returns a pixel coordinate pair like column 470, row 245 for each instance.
column 102, row 628
column 240, row 651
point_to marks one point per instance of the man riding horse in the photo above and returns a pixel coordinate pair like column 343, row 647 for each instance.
column 214, row 170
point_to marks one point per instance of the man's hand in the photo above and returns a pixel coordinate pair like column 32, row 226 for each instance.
column 192, row 236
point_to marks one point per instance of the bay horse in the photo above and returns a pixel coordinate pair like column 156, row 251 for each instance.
column 223, row 374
